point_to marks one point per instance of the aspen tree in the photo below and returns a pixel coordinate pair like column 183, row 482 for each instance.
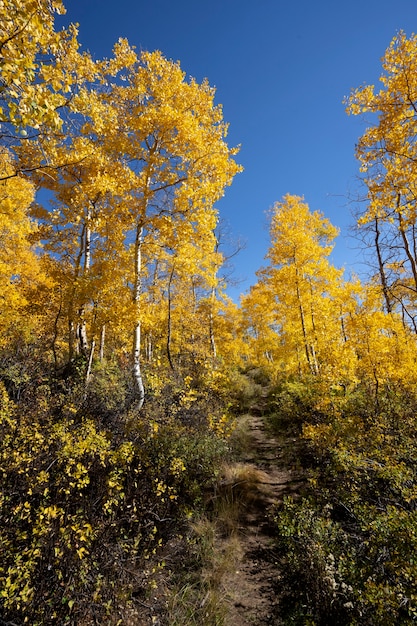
column 18, row 260
column 148, row 162
column 387, row 154
column 300, row 280
column 173, row 135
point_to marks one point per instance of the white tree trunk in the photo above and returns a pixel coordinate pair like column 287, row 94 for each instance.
column 82, row 325
column 89, row 367
column 102, row 342
column 137, row 289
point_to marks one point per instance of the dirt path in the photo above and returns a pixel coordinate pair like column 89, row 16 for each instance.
column 253, row 588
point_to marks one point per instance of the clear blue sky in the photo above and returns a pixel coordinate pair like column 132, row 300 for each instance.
column 281, row 70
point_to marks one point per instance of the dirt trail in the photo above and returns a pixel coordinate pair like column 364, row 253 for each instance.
column 253, row 588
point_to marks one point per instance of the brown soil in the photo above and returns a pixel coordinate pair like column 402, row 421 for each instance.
column 253, row 588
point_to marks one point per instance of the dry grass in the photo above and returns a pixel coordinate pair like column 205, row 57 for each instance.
column 217, row 543
column 241, row 440
column 201, row 599
column 243, row 477
column 241, row 485
column 217, row 546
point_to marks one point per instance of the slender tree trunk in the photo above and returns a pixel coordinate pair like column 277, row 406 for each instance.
column 193, row 290
column 102, row 342
column 315, row 365
column 82, row 324
column 405, row 313
column 149, row 340
column 149, row 347
column 315, row 337
column 72, row 327
column 55, row 337
column 211, row 324
column 169, row 321
column 413, row 228
column 82, row 333
column 137, row 291
column 342, row 323
column 303, row 325
column 72, row 343
column 89, row 366
column 410, row 256
column 381, row 267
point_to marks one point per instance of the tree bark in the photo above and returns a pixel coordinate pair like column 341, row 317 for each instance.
column 137, row 290
column 381, row 268
column 169, row 321
column 89, row 366
column 82, row 324
column 410, row 257
column 211, row 324
column 72, row 327
column 102, row 342
column 303, row 325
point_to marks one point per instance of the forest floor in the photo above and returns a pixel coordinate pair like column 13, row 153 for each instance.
column 241, row 576
column 253, row 590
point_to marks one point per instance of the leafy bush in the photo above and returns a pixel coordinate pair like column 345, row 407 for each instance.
column 351, row 547
column 314, row 550
column 90, row 496
column 357, row 569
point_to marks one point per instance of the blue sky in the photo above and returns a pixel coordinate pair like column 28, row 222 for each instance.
column 281, row 70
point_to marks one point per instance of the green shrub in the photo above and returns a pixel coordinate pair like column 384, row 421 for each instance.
column 314, row 550
column 360, row 521
column 87, row 503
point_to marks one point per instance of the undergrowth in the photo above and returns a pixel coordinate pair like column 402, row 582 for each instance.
column 349, row 547
column 94, row 492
